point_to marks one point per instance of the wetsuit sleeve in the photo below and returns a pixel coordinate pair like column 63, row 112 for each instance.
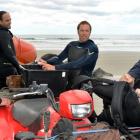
column 135, row 70
column 59, row 59
column 84, row 60
column 7, row 50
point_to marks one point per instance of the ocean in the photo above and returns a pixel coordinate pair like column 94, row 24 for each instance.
column 129, row 43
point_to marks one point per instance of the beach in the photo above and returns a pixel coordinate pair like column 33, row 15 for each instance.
column 115, row 62
column 118, row 62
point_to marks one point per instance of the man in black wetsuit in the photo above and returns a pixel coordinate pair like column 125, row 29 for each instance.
column 81, row 55
column 8, row 62
column 131, row 101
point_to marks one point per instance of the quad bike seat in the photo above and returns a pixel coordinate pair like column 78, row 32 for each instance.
column 28, row 111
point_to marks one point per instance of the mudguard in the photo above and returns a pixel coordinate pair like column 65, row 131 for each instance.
column 8, row 126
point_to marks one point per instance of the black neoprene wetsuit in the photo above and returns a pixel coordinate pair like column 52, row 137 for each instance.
column 135, row 70
column 8, row 62
column 81, row 56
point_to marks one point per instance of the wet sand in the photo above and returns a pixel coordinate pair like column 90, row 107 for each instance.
column 116, row 63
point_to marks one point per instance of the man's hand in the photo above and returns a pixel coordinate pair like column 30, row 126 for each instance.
column 5, row 101
column 138, row 91
column 127, row 78
column 48, row 67
column 45, row 65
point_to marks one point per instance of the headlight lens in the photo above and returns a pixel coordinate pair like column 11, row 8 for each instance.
column 80, row 111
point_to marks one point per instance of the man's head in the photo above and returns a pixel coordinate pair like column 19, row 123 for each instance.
column 5, row 19
column 84, row 30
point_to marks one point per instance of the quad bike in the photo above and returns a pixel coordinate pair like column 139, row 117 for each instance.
column 32, row 116
column 40, row 117
column 64, row 116
column 117, row 103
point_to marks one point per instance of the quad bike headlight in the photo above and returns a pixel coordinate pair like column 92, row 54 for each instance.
column 75, row 104
column 82, row 110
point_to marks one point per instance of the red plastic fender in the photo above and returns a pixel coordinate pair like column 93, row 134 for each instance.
column 8, row 126
column 70, row 97
column 25, row 51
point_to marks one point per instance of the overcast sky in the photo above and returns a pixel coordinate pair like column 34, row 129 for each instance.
column 62, row 16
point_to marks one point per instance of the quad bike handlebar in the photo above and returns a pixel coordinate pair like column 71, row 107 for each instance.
column 41, row 89
column 34, row 89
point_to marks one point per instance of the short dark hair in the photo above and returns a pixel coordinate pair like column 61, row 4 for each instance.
column 2, row 13
column 83, row 22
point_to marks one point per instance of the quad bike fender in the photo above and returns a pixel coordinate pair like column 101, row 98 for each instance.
column 6, row 132
column 8, row 126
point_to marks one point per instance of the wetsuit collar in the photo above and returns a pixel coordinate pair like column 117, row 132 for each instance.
column 5, row 29
column 89, row 40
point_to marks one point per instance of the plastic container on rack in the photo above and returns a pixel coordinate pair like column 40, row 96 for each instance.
column 56, row 80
